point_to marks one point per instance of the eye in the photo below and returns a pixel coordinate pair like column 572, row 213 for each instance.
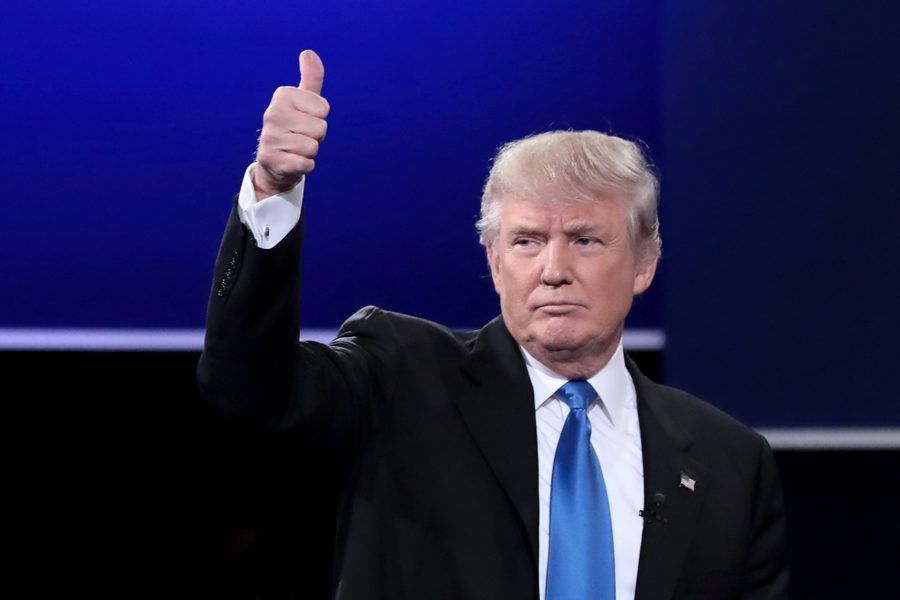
column 586, row 241
column 523, row 242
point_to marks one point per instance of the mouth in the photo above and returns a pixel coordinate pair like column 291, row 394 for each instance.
column 558, row 308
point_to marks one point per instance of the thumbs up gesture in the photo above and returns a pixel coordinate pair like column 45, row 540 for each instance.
column 293, row 127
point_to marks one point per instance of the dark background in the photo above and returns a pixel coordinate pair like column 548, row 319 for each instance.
column 147, row 495
column 780, row 204
column 126, row 131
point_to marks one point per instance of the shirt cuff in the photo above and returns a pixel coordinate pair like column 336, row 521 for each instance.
column 270, row 219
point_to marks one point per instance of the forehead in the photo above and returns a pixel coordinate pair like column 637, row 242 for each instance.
column 606, row 212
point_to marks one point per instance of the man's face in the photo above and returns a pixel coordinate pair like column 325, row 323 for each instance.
column 566, row 273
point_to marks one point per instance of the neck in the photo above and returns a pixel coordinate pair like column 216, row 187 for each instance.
column 581, row 363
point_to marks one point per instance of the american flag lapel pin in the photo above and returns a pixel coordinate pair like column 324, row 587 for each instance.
column 687, row 482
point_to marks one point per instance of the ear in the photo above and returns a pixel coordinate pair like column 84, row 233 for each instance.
column 644, row 275
column 494, row 263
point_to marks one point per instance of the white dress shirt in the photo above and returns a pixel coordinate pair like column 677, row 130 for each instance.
column 616, row 438
column 615, row 433
column 272, row 218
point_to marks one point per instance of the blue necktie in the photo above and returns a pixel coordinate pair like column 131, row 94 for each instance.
column 580, row 563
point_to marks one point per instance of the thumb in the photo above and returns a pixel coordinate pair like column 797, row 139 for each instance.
column 312, row 72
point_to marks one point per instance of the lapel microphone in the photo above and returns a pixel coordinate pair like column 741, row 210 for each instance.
column 654, row 513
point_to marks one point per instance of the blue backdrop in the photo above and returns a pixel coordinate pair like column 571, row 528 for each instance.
column 127, row 127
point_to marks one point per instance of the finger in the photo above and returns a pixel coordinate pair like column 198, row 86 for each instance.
column 299, row 145
column 284, row 167
column 302, row 100
column 312, row 72
column 293, row 163
column 307, row 125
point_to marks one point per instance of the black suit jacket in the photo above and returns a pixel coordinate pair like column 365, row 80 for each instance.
column 433, row 432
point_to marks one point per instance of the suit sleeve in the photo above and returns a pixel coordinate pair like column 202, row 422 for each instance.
column 254, row 371
column 767, row 575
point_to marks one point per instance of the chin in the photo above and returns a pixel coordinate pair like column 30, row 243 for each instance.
column 557, row 345
column 560, row 341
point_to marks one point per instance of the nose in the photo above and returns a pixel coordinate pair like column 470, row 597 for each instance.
column 557, row 266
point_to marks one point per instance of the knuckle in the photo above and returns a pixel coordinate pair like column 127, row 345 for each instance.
column 273, row 116
column 264, row 157
column 282, row 98
column 266, row 139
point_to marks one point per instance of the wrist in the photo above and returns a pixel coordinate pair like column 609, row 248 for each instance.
column 264, row 189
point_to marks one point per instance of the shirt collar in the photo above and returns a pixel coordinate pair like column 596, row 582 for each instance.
column 612, row 383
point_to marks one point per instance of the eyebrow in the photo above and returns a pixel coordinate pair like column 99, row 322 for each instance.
column 576, row 228
column 525, row 230
column 571, row 229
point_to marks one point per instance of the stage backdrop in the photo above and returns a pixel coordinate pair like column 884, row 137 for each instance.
column 127, row 128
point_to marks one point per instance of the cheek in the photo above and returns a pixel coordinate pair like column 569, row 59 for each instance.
column 613, row 285
column 498, row 283
column 494, row 266
column 510, row 278
column 520, row 286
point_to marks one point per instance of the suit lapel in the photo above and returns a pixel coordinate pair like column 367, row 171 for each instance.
column 664, row 446
column 499, row 412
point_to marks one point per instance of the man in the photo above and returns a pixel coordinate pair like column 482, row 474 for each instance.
column 529, row 459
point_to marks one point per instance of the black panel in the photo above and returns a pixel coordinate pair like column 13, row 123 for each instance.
column 124, row 485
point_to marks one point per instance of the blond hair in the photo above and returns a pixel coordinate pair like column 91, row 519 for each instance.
column 578, row 165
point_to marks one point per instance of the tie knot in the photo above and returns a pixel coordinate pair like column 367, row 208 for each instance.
column 578, row 394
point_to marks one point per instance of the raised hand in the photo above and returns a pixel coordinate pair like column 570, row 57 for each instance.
column 293, row 127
